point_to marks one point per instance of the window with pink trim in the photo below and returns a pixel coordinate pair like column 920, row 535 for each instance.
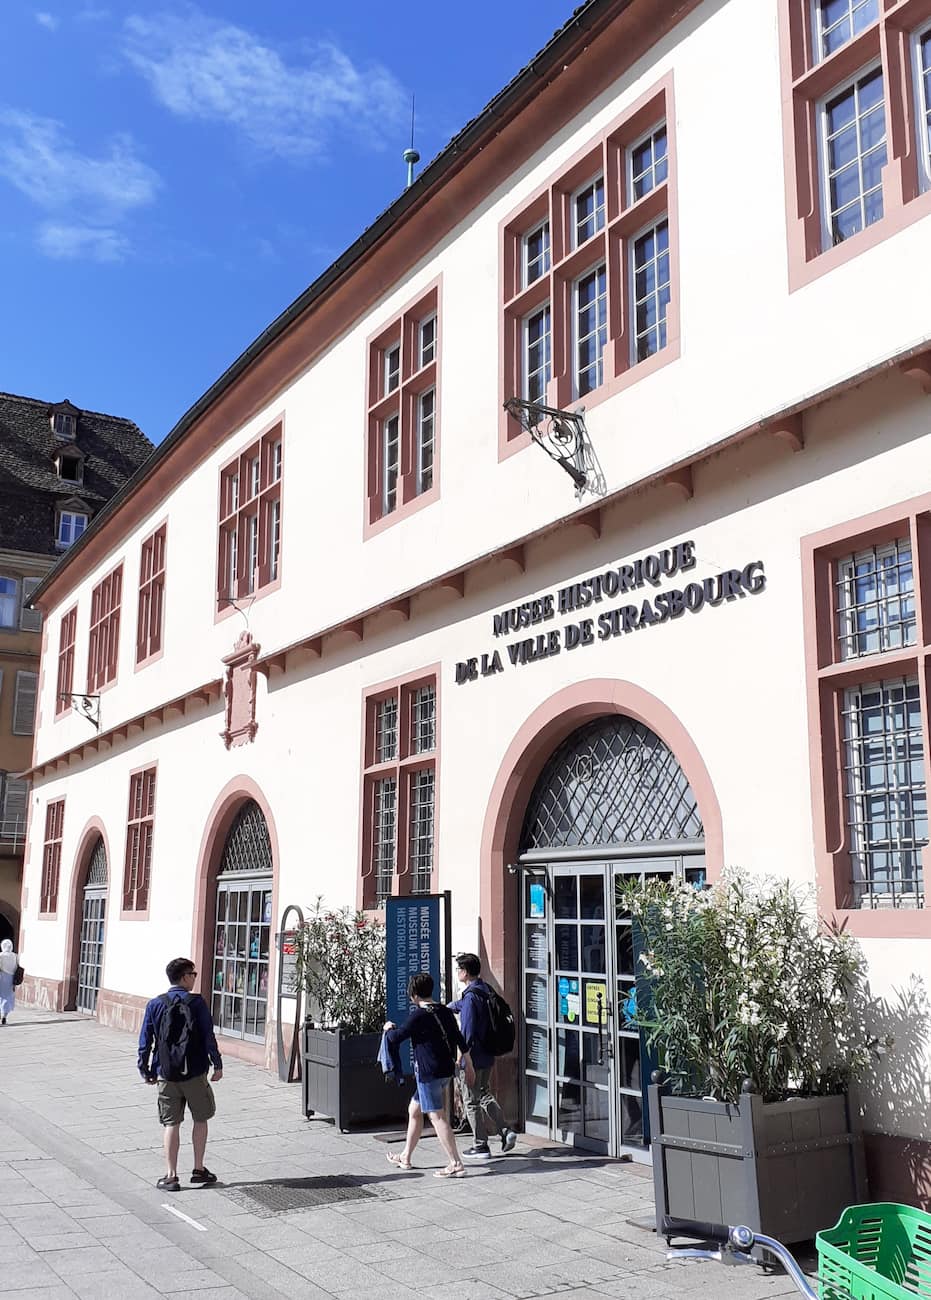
column 589, row 291
column 873, row 648
column 51, row 856
column 403, row 412
column 64, row 685
column 104, row 644
column 857, row 124
column 140, row 827
column 399, row 790
column 151, row 595
column 249, row 552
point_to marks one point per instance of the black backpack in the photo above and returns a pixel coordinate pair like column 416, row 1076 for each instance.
column 502, row 1032
column 178, row 1032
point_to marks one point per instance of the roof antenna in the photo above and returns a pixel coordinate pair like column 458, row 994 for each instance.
column 411, row 156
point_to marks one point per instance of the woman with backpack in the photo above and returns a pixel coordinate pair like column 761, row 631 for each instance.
column 435, row 1040
column 9, row 969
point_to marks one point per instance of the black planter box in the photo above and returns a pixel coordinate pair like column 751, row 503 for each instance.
column 341, row 1078
column 784, row 1168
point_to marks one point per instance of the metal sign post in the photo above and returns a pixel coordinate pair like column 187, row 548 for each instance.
column 418, row 938
column 289, row 1062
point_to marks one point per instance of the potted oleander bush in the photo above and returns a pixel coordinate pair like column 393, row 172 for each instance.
column 749, row 1003
column 340, row 964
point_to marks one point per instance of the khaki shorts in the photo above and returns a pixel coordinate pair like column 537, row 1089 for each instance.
column 174, row 1096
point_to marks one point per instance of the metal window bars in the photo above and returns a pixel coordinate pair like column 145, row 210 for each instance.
column 420, row 856
column 875, row 600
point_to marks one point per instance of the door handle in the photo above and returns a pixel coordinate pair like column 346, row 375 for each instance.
column 599, row 1000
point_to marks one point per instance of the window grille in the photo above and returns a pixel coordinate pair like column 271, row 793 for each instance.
column 611, row 782
column 420, row 860
column 875, row 600
column 383, row 837
column 887, row 806
column 423, row 719
column 248, row 847
column 97, row 869
column 386, row 730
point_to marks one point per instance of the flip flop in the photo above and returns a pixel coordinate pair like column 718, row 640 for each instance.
column 451, row 1171
column 404, row 1165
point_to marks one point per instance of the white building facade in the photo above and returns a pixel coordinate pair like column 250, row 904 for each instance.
column 352, row 633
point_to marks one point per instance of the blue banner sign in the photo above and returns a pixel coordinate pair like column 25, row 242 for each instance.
column 414, row 943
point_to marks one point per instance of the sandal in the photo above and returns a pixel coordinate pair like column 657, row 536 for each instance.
column 399, row 1162
column 451, row 1171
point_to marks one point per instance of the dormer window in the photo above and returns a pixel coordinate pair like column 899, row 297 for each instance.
column 70, row 467
column 63, row 425
column 71, row 524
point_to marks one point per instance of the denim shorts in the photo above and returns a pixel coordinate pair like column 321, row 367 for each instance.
column 430, row 1095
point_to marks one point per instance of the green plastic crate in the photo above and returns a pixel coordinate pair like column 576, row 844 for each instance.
column 876, row 1252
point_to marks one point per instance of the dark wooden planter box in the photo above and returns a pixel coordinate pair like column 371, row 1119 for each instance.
column 783, row 1168
column 341, row 1078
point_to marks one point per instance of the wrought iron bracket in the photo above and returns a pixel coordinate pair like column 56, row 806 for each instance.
column 564, row 438
column 87, row 705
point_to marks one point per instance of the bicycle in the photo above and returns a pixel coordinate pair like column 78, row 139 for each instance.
column 875, row 1252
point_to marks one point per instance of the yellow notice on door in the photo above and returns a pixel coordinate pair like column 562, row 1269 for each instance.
column 596, row 1012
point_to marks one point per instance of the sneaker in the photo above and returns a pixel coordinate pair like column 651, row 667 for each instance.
column 478, row 1152
column 169, row 1183
column 508, row 1141
column 203, row 1176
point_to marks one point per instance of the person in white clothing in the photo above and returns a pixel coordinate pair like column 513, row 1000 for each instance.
column 9, row 961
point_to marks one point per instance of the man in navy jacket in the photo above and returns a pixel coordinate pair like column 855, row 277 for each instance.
column 193, row 1089
column 481, row 1105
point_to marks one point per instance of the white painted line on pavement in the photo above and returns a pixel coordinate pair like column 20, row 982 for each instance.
column 186, row 1217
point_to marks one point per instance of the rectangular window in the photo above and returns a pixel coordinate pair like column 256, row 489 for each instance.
column 249, row 546
column 151, row 595
column 9, row 602
column 24, row 704
column 839, row 20
column 651, row 289
column 425, row 414
column 67, row 632
column 854, row 126
column 104, row 642
column 70, row 528
column 887, row 806
column 876, row 600
column 538, row 364
column 403, row 412
column 30, row 620
column 923, row 93
column 51, row 856
column 536, row 253
column 588, row 210
column 569, row 316
column 591, row 329
column 140, row 825
column 399, row 782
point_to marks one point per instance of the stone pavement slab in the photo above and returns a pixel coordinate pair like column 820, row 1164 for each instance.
column 81, row 1219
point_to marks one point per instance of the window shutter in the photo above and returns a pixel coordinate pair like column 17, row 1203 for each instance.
column 14, row 801
column 24, row 704
column 30, row 620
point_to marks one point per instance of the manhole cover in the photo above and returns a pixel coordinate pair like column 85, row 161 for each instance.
column 278, row 1196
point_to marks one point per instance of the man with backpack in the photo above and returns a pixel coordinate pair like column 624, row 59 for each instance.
column 176, row 1048
column 488, row 1028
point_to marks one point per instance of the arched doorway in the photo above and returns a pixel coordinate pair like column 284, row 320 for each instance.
column 93, row 926
column 7, row 929
column 611, row 803
column 242, row 927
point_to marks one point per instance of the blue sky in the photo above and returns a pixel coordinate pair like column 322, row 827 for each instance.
column 173, row 175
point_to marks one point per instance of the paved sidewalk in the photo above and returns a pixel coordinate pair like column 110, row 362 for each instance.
column 80, row 1216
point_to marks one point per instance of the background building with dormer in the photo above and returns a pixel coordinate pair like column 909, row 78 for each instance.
column 58, row 467
column 372, row 622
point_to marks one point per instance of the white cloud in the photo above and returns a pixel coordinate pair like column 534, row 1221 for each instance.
column 87, row 198
column 203, row 68
column 47, row 20
column 95, row 243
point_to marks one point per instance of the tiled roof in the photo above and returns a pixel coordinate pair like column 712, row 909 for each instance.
column 113, row 450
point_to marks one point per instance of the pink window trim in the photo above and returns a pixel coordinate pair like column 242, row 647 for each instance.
column 270, row 491
column 827, row 676
column 50, row 881
column 64, row 681
column 607, row 153
column 103, row 646
column 402, row 401
column 805, row 81
column 402, row 766
column 145, row 823
column 150, row 647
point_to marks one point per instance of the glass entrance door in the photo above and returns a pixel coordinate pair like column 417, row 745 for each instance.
column 585, row 1066
column 90, row 956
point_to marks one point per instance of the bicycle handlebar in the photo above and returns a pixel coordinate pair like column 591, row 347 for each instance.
column 696, row 1229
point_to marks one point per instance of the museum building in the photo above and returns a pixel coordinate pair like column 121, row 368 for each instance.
column 373, row 620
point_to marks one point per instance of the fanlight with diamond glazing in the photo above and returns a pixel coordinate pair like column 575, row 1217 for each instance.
column 611, row 782
column 247, row 847
column 97, row 868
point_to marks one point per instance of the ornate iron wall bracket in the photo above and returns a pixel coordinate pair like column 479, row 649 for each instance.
column 564, row 438
column 87, row 705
